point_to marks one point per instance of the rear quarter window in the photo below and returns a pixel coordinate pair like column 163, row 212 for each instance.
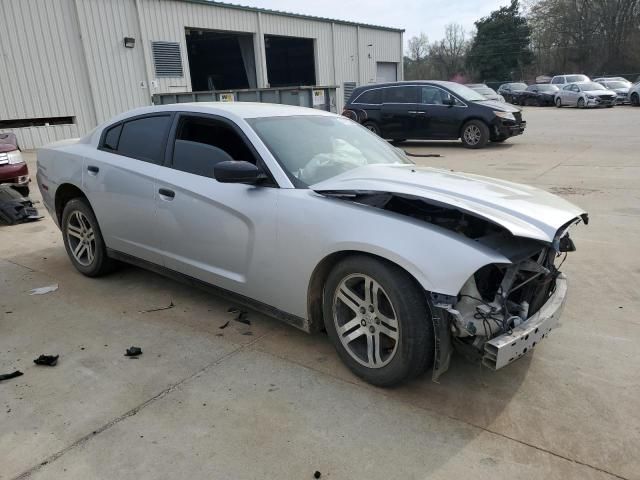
column 371, row 97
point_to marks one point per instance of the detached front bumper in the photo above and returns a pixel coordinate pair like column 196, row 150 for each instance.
column 507, row 348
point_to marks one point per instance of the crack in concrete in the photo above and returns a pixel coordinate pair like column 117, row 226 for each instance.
column 451, row 417
column 174, row 386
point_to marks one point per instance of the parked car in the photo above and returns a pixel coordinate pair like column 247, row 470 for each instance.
column 13, row 169
column 512, row 91
column 433, row 110
column 309, row 217
column 585, row 94
column 540, row 95
column 486, row 92
column 561, row 80
column 634, row 95
column 619, row 87
column 619, row 79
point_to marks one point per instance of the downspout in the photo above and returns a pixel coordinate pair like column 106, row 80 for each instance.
column 145, row 52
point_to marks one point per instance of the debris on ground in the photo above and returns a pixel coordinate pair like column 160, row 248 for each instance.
column 225, row 325
column 15, row 208
column 423, row 155
column 317, row 474
column 248, row 332
column 7, row 376
column 44, row 290
column 171, row 305
column 241, row 315
column 133, row 352
column 48, row 360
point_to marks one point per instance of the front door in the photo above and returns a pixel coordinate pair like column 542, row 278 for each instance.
column 438, row 119
column 219, row 233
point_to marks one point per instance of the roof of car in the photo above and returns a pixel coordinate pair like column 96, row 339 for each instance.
column 442, row 83
column 230, row 109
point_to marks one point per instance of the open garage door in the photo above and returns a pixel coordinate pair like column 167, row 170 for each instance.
column 386, row 72
column 220, row 60
column 290, row 61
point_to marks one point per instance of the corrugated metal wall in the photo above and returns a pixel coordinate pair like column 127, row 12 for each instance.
column 43, row 73
column 67, row 58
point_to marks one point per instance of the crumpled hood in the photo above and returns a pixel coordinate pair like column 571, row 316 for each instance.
column 523, row 210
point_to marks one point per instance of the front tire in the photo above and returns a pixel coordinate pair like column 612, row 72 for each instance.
column 83, row 239
column 635, row 100
column 558, row 102
column 581, row 103
column 378, row 320
column 475, row 134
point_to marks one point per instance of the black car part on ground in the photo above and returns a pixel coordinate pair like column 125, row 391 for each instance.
column 14, row 208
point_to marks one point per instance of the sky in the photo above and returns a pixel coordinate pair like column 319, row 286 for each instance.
column 415, row 16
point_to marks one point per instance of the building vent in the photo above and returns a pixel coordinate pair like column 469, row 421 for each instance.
column 167, row 59
column 348, row 90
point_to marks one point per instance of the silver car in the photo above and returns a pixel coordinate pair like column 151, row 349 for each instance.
column 620, row 87
column 585, row 94
column 311, row 218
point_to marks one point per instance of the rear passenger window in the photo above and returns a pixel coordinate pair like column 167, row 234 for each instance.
column 401, row 95
column 112, row 137
column 371, row 97
column 144, row 138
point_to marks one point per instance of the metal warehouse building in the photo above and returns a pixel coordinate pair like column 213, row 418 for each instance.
column 68, row 65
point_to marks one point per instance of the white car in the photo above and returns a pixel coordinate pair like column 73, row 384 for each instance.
column 634, row 95
column 620, row 87
column 585, row 94
column 561, row 80
column 311, row 218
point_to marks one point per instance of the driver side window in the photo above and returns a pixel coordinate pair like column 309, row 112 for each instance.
column 200, row 143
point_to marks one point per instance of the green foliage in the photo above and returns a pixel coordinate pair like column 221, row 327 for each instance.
column 500, row 49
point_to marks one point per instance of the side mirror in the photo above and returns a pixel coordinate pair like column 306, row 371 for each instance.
column 233, row 171
column 450, row 101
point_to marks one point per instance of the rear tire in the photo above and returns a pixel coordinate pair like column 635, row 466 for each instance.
column 83, row 239
column 373, row 127
column 475, row 134
column 386, row 336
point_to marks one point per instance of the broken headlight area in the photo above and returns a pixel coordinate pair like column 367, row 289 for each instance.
column 501, row 298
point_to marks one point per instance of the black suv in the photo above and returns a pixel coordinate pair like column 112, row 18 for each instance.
column 433, row 110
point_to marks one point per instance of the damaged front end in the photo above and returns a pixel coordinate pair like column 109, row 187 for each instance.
column 503, row 310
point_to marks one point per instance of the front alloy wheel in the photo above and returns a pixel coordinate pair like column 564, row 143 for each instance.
column 378, row 319
column 475, row 134
column 365, row 321
column 81, row 238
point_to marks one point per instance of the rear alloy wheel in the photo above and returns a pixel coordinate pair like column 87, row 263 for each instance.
column 581, row 103
column 83, row 239
column 475, row 134
column 378, row 320
column 635, row 100
column 558, row 102
column 372, row 127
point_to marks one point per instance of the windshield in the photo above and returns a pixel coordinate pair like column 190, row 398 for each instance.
column 465, row 92
column 586, row 87
column 314, row 148
column 577, row 78
column 615, row 84
column 485, row 91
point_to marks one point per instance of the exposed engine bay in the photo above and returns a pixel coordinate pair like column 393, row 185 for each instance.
column 498, row 298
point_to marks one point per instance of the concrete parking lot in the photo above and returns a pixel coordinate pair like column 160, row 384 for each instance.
column 267, row 401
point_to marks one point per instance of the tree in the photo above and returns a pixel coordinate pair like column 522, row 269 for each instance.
column 448, row 55
column 500, row 49
column 416, row 63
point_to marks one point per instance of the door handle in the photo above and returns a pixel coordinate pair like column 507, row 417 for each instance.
column 416, row 112
column 165, row 192
column 93, row 170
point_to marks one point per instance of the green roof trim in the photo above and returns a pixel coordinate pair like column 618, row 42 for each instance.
column 215, row 3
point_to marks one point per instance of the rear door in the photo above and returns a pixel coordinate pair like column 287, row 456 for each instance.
column 221, row 233
column 119, row 180
column 399, row 112
column 437, row 119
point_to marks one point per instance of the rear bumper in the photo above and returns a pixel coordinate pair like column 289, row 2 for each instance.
column 507, row 348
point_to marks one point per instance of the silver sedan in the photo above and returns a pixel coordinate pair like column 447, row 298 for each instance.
column 309, row 217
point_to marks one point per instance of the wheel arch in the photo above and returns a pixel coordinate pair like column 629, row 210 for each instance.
column 64, row 193
column 319, row 276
